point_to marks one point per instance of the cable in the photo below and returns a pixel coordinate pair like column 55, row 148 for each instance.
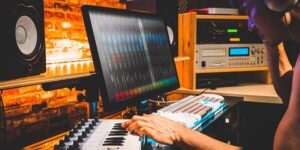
column 3, row 121
column 204, row 91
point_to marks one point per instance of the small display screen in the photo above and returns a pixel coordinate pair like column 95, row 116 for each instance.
column 239, row 51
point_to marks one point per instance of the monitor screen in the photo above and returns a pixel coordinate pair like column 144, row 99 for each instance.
column 131, row 55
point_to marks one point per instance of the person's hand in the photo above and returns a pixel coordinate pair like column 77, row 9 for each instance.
column 156, row 127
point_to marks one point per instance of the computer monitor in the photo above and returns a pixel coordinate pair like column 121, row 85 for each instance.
column 131, row 55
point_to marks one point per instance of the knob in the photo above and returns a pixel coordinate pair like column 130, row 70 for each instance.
column 80, row 139
column 67, row 138
column 75, row 130
column 97, row 120
column 76, row 144
column 71, row 147
column 87, row 130
column 71, row 134
column 82, row 123
column 84, row 135
column 94, row 122
column 91, row 126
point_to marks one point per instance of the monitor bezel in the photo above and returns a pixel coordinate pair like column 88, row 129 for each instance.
column 129, row 102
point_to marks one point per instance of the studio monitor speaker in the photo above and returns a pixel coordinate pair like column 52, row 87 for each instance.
column 168, row 10
column 22, row 39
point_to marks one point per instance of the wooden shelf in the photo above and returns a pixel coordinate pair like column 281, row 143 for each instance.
column 39, row 79
column 232, row 70
column 258, row 93
column 177, row 59
column 222, row 17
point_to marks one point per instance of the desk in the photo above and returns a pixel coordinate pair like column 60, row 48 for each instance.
column 259, row 93
column 50, row 142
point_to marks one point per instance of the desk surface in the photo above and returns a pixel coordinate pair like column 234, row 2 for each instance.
column 260, row 93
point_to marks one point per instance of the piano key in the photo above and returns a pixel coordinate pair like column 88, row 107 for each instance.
column 115, row 138
column 112, row 144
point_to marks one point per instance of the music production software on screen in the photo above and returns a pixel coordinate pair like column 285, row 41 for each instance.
column 134, row 54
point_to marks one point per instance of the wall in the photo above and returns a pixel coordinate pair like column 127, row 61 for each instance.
column 31, row 112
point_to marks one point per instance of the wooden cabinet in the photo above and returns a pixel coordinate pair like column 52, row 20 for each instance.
column 187, row 48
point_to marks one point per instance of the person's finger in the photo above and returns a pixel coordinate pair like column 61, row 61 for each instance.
column 138, row 124
column 126, row 124
column 142, row 118
column 149, row 132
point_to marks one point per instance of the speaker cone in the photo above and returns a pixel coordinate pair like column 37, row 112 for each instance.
column 26, row 35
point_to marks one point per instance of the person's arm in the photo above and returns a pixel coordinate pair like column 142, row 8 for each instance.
column 281, row 71
column 168, row 132
column 288, row 132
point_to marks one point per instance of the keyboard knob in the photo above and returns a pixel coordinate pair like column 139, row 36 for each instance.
column 75, row 130
column 80, row 139
column 79, row 127
column 71, row 147
column 97, row 120
column 94, row 122
column 87, row 130
column 84, row 135
column 82, row 123
column 76, row 144
column 71, row 134
column 61, row 143
column 91, row 127
column 67, row 138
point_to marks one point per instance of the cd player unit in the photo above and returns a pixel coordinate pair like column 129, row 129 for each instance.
column 214, row 56
column 228, row 44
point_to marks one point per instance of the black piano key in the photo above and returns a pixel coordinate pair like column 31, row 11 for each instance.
column 121, row 129
column 118, row 134
column 113, row 141
column 112, row 144
column 115, row 138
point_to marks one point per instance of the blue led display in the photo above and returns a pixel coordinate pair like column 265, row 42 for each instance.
column 239, row 51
